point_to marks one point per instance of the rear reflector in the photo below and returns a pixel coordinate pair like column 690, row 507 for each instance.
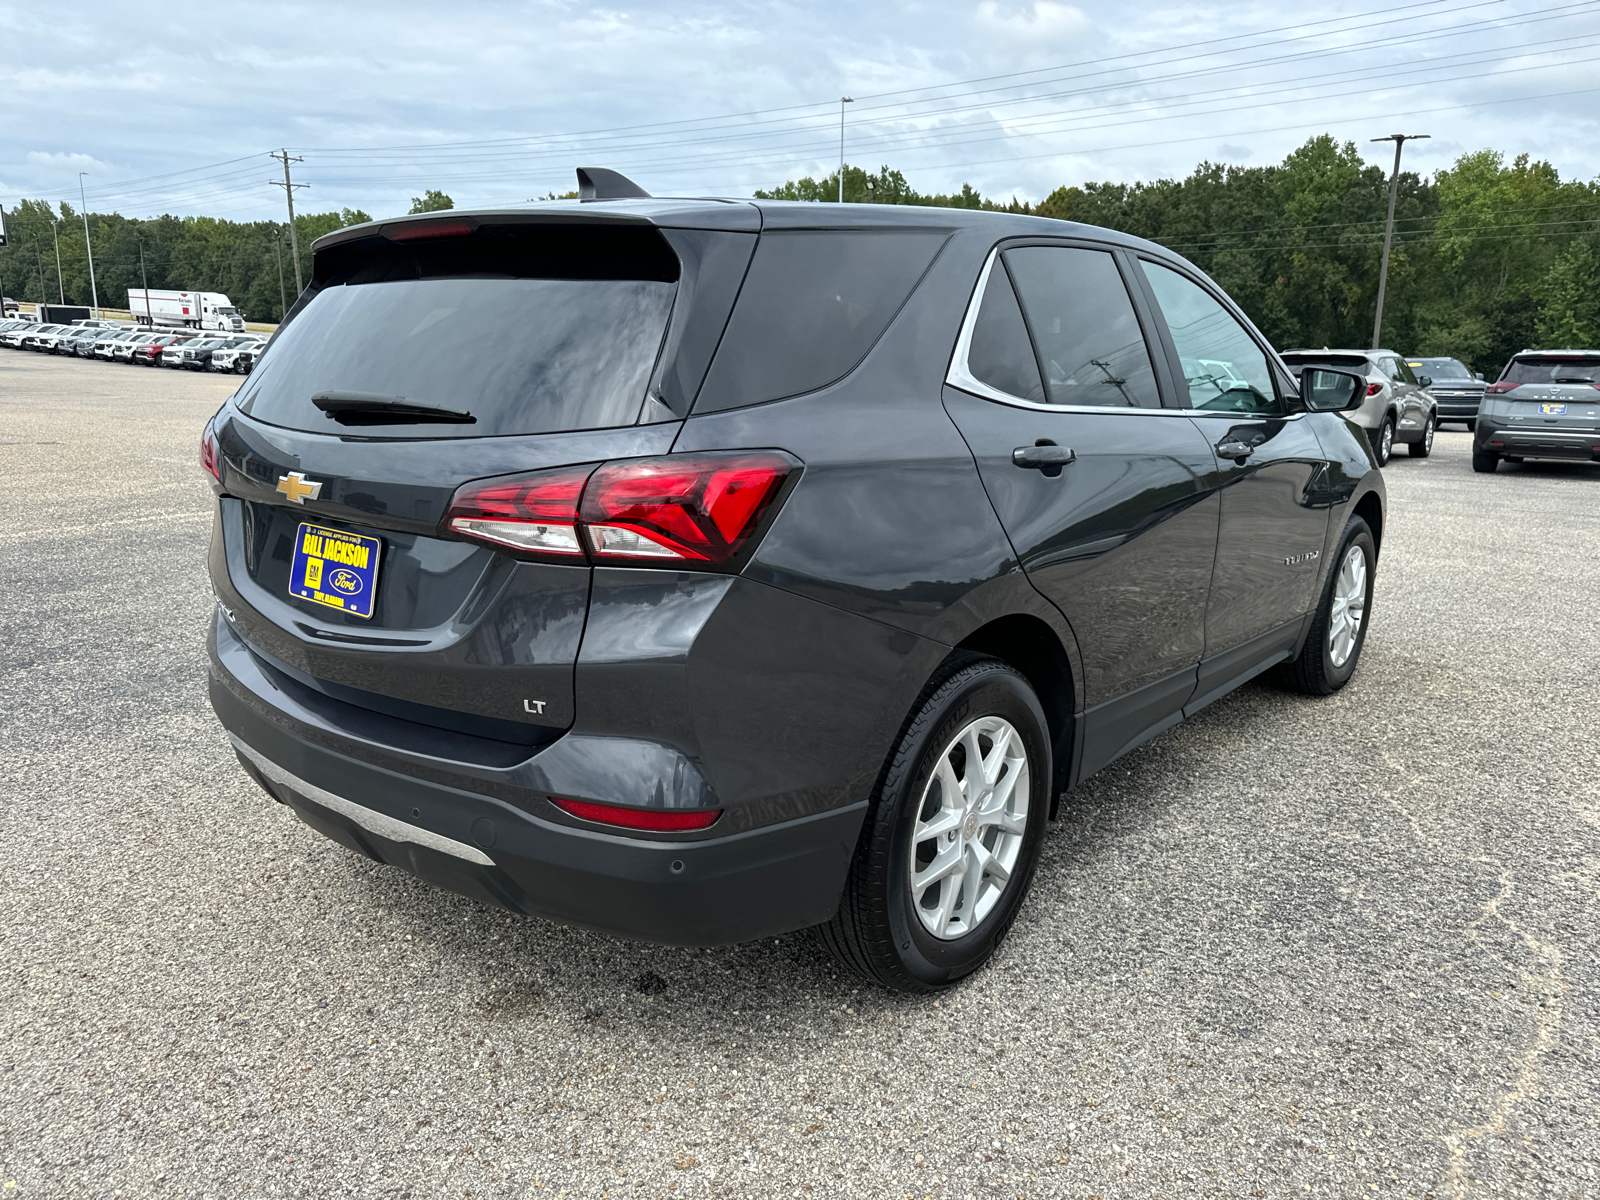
column 703, row 511
column 654, row 819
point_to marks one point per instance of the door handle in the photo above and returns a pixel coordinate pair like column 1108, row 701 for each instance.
column 1238, row 451
column 1038, row 458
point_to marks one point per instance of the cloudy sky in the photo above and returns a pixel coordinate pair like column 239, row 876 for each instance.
column 175, row 110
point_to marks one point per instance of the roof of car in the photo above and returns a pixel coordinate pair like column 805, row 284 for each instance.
column 1520, row 353
column 753, row 216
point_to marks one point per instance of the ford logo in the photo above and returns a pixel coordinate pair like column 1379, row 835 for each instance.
column 345, row 581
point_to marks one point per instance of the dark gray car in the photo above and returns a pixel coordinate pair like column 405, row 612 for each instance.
column 1546, row 404
column 701, row 570
column 1456, row 387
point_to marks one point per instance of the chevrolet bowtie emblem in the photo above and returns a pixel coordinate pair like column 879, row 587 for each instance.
column 298, row 488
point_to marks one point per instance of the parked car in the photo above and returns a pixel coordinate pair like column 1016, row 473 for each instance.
column 50, row 343
column 196, row 355
column 1456, row 387
column 74, row 340
column 34, row 336
column 1399, row 408
column 148, row 353
column 109, row 341
column 716, row 569
column 1546, row 404
column 123, row 351
column 228, row 358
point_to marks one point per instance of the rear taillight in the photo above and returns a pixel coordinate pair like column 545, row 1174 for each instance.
column 537, row 513
column 1374, row 388
column 653, row 819
column 210, row 457
column 692, row 508
column 703, row 511
column 1502, row 386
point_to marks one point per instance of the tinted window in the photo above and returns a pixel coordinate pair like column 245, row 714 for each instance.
column 1552, row 369
column 1225, row 370
column 1091, row 349
column 812, row 305
column 530, row 331
column 1001, row 354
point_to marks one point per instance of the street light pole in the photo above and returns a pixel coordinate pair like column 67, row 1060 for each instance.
column 843, row 100
column 94, row 292
column 1399, row 140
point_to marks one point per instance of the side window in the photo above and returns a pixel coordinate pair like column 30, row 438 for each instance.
column 1090, row 347
column 1398, row 369
column 1000, row 354
column 1225, row 369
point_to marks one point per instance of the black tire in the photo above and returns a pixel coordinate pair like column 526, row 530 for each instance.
column 1383, row 442
column 876, row 933
column 1472, row 426
column 1313, row 671
column 1425, row 447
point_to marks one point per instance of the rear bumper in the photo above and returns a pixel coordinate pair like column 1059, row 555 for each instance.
column 713, row 891
column 1571, row 445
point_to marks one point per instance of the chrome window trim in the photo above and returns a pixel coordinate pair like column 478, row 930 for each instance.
column 962, row 379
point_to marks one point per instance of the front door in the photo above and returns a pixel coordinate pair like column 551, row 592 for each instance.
column 1101, row 490
column 1271, row 473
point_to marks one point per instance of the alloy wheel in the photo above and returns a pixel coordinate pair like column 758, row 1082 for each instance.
column 1427, row 437
column 1387, row 440
column 969, row 828
column 1349, row 606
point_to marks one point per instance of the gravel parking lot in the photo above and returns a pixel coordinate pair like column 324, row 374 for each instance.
column 1337, row 948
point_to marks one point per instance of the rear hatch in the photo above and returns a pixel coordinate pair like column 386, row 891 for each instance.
column 491, row 348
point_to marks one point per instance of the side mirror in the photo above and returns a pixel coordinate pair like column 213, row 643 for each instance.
column 1477, row 374
column 1424, row 380
column 1328, row 389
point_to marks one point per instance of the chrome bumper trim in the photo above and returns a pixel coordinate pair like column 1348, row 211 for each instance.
column 379, row 823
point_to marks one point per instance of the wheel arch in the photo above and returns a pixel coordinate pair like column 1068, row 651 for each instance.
column 1370, row 509
column 1028, row 645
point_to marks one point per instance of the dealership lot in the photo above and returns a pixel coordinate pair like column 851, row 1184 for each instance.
column 1340, row 947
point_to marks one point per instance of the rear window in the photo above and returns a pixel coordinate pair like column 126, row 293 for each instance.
column 530, row 329
column 1552, row 368
column 812, row 305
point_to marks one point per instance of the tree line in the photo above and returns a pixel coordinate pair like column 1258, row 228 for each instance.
column 252, row 262
column 1489, row 257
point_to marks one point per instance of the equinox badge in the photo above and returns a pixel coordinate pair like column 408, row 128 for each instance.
column 297, row 487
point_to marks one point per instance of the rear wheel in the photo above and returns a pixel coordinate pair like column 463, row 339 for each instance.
column 1425, row 447
column 951, row 838
column 1472, row 426
column 1485, row 461
column 1339, row 629
column 1383, row 441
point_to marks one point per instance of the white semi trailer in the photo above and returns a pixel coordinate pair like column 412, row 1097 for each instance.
column 193, row 310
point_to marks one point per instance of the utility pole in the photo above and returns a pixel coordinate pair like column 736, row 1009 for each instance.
column 144, row 279
column 288, row 185
column 94, row 291
column 1399, row 140
column 3, row 313
column 55, row 236
column 843, row 100
column 277, row 249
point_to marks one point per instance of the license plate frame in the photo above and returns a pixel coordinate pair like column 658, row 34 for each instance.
column 335, row 568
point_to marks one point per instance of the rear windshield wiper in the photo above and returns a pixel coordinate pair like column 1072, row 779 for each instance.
column 1571, row 379
column 371, row 408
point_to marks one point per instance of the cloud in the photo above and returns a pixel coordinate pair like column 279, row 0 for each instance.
column 66, row 162
column 1229, row 150
column 1040, row 24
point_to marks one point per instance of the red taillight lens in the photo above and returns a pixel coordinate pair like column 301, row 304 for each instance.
column 1502, row 386
column 690, row 509
column 210, row 457
column 703, row 511
column 537, row 512
column 1374, row 388
column 429, row 229
column 654, row 819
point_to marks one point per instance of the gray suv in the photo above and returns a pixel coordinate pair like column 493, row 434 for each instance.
column 1457, row 388
column 1399, row 406
column 1546, row 404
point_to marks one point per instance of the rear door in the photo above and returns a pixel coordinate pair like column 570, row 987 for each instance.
column 1269, row 469
column 1099, row 487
